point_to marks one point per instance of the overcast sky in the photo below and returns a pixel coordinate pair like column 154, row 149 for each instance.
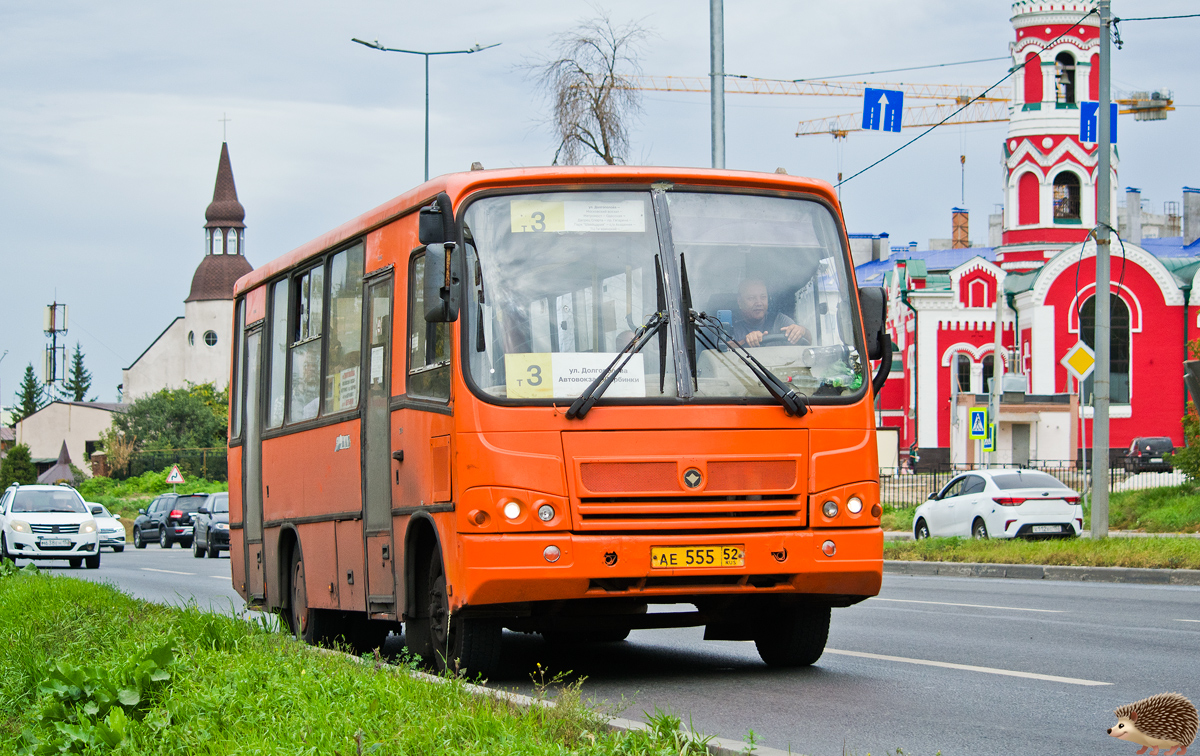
column 109, row 132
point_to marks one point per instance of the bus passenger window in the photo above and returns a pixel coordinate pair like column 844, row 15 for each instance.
column 309, row 288
column 342, row 365
column 278, row 354
column 235, row 392
column 429, row 343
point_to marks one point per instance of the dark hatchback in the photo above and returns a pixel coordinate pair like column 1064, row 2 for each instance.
column 210, row 527
column 1149, row 453
column 168, row 519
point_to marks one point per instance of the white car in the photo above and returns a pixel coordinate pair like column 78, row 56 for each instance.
column 48, row 522
column 1001, row 504
column 112, row 532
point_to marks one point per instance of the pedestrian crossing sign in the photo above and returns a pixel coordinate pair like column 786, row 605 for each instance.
column 978, row 424
column 989, row 442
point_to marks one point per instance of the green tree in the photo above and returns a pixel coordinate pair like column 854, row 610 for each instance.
column 189, row 418
column 31, row 395
column 78, row 381
column 17, row 467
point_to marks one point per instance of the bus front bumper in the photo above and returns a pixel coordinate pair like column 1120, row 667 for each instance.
column 514, row 567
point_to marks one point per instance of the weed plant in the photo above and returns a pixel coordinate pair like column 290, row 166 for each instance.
column 87, row 669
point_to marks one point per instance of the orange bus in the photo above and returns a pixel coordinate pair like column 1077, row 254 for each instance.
column 544, row 399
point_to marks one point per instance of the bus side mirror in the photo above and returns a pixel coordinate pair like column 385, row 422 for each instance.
column 441, row 283
column 436, row 223
column 873, row 300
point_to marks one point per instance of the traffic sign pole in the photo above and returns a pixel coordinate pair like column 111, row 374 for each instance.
column 1103, row 280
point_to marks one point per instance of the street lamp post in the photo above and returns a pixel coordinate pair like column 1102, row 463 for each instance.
column 473, row 49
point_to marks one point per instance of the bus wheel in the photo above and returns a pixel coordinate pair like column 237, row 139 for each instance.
column 304, row 622
column 796, row 639
column 464, row 645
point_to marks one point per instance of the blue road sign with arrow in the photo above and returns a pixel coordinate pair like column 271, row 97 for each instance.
column 1089, row 122
column 882, row 109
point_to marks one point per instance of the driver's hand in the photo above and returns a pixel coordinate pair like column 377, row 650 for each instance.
column 754, row 338
column 794, row 332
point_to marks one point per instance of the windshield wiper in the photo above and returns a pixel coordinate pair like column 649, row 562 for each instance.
column 794, row 404
column 585, row 401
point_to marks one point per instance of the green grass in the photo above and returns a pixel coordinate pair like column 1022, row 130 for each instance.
column 1176, row 553
column 897, row 518
column 233, row 686
column 1173, row 509
column 125, row 497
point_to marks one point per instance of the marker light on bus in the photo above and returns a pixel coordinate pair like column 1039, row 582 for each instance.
column 512, row 510
column 479, row 517
column 545, row 513
column 552, row 553
column 855, row 505
column 830, row 509
column 828, row 548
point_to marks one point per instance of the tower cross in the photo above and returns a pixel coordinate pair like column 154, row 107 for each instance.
column 224, row 121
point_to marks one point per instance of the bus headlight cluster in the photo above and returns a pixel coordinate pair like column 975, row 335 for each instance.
column 545, row 513
column 829, row 509
column 512, row 510
column 855, row 505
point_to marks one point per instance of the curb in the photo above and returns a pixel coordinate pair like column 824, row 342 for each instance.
column 1136, row 575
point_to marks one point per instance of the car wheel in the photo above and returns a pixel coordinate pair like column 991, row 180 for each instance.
column 4, row 555
column 75, row 562
column 921, row 530
column 198, row 551
column 466, row 645
column 138, row 541
column 164, row 539
column 979, row 529
column 118, row 549
column 93, row 562
column 212, row 551
column 796, row 638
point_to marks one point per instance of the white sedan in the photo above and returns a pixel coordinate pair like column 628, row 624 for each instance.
column 112, row 532
column 1001, row 504
column 48, row 522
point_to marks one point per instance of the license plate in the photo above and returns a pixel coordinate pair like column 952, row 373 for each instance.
column 1155, row 460
column 677, row 557
column 1047, row 528
column 52, row 542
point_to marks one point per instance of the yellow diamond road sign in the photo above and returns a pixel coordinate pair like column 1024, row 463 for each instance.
column 1079, row 360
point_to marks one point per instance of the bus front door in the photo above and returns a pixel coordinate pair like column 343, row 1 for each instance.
column 377, row 448
column 252, row 503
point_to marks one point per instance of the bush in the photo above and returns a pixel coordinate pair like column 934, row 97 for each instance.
column 17, row 467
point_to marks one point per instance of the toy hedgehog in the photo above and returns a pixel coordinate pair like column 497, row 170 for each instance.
column 1165, row 722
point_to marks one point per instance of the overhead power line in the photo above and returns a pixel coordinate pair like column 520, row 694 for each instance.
column 908, row 68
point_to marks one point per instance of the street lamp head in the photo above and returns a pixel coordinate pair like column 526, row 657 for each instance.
column 374, row 44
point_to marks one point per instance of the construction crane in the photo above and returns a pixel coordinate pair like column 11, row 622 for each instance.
column 992, row 107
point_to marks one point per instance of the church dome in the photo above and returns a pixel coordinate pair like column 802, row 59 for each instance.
column 216, row 275
column 225, row 211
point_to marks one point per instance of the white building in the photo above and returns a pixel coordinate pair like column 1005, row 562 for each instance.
column 77, row 424
column 195, row 348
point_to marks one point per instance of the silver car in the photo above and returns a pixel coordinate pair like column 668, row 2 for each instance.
column 112, row 532
column 1001, row 504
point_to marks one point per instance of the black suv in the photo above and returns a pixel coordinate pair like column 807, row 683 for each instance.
column 168, row 519
column 1149, row 453
column 210, row 527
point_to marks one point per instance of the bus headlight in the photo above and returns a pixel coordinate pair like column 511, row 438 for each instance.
column 512, row 510
column 545, row 513
column 829, row 509
column 855, row 505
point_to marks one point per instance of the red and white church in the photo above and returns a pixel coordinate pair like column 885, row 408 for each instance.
column 942, row 305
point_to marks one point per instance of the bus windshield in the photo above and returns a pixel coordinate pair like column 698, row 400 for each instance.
column 559, row 283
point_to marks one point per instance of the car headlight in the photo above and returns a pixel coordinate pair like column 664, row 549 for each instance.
column 88, row 526
column 221, row 526
column 19, row 526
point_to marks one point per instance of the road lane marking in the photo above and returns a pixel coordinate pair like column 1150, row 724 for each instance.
column 172, row 572
column 973, row 606
column 220, row 577
column 969, row 668
column 1179, row 620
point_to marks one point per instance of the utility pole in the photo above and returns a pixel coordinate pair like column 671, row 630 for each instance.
column 716, row 33
column 997, row 369
column 1103, row 276
column 54, row 323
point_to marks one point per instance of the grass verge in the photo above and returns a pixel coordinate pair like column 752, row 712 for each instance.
column 125, row 497
column 87, row 669
column 1174, row 553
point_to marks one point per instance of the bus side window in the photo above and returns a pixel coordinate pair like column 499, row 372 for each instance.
column 429, row 343
column 309, row 293
column 345, row 330
column 278, row 354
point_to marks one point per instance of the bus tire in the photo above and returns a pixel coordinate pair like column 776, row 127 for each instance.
column 307, row 624
column 796, row 639
column 467, row 646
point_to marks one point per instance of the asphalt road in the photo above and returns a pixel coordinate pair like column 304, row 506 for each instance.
column 970, row 667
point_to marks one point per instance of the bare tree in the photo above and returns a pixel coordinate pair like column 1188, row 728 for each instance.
column 591, row 90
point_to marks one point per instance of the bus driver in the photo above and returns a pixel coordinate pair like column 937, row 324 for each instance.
column 754, row 319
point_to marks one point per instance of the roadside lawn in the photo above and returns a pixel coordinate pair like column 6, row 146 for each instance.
column 1171, row 509
column 125, row 497
column 87, row 669
column 1174, row 553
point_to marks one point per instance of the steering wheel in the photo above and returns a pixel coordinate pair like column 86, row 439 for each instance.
column 775, row 339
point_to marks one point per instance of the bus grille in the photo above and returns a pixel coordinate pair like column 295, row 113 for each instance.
column 699, row 512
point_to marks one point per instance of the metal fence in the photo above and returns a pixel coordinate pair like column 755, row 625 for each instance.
column 204, row 463
column 902, row 487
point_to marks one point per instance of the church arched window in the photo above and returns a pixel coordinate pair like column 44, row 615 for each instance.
column 1066, row 197
column 217, row 248
column 962, row 366
column 1064, row 78
column 232, row 238
column 1118, row 347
